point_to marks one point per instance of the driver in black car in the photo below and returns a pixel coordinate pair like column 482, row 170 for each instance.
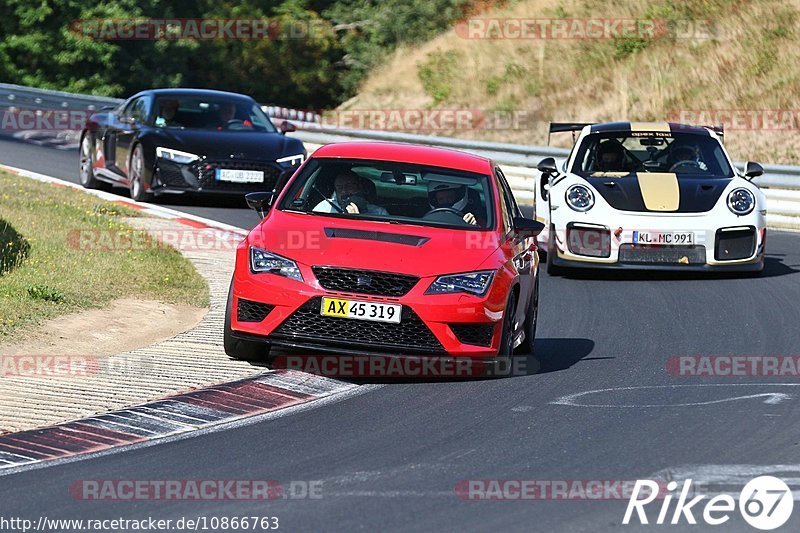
column 452, row 196
column 685, row 157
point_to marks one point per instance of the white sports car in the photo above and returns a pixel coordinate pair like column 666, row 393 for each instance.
column 650, row 195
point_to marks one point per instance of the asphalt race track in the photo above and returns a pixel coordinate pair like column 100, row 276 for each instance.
column 390, row 459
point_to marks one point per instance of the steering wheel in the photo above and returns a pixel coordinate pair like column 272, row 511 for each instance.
column 235, row 124
column 445, row 210
column 687, row 163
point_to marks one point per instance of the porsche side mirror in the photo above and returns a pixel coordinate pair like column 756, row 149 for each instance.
column 287, row 127
column 753, row 170
column 548, row 166
column 259, row 201
column 527, row 227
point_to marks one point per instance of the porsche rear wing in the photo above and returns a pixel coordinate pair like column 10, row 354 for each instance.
column 560, row 127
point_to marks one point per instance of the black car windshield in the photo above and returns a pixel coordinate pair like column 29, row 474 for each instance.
column 210, row 113
column 398, row 192
column 620, row 154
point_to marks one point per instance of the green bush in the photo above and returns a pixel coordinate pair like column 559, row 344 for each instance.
column 438, row 72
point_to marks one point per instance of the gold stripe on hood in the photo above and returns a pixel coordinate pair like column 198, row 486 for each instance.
column 660, row 190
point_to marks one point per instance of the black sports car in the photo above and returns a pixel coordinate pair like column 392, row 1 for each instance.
column 186, row 140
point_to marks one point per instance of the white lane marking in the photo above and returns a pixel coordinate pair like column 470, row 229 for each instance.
column 773, row 398
column 729, row 478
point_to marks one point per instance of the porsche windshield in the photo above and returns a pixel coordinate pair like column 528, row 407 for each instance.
column 398, row 192
column 619, row 154
column 214, row 114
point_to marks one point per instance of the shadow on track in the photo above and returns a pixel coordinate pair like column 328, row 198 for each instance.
column 552, row 355
column 773, row 267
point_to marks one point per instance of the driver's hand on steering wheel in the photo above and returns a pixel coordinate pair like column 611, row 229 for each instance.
column 352, row 208
column 469, row 218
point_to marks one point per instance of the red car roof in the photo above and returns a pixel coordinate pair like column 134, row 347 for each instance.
column 406, row 153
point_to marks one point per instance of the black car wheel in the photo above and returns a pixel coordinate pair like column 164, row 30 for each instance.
column 138, row 170
column 238, row 348
column 86, row 174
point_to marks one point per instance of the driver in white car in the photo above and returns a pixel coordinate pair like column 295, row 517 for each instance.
column 453, row 196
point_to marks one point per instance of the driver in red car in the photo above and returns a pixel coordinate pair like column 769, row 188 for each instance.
column 453, row 196
column 349, row 197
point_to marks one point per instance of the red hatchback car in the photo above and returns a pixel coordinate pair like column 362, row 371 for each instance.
column 390, row 249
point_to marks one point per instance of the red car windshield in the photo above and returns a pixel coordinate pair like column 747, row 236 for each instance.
column 399, row 192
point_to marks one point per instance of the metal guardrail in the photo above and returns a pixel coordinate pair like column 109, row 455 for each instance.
column 781, row 182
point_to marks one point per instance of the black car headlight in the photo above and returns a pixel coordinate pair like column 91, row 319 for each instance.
column 176, row 156
column 741, row 201
column 264, row 261
column 580, row 198
column 292, row 160
column 470, row 282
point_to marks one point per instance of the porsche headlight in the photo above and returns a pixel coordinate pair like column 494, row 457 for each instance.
column 292, row 160
column 580, row 198
column 176, row 156
column 470, row 282
column 263, row 261
column 741, row 201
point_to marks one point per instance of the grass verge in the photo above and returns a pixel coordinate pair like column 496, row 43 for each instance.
column 54, row 277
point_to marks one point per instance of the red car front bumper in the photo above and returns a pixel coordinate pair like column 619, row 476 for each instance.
column 454, row 324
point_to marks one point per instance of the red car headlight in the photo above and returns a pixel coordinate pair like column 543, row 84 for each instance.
column 264, row 261
column 476, row 283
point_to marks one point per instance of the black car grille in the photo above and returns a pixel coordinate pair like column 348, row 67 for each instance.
column 364, row 281
column 206, row 169
column 476, row 334
column 665, row 255
column 410, row 337
column 248, row 311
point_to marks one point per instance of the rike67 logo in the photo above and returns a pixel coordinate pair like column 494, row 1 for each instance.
column 765, row 503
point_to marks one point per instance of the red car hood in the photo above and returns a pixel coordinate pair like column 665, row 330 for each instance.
column 407, row 249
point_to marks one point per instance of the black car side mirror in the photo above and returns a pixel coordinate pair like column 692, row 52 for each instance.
column 259, row 201
column 287, row 127
column 753, row 170
column 128, row 120
column 527, row 227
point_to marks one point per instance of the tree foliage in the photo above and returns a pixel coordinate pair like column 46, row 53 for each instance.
column 323, row 50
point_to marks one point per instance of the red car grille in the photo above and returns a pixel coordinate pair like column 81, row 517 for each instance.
column 364, row 281
column 410, row 337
